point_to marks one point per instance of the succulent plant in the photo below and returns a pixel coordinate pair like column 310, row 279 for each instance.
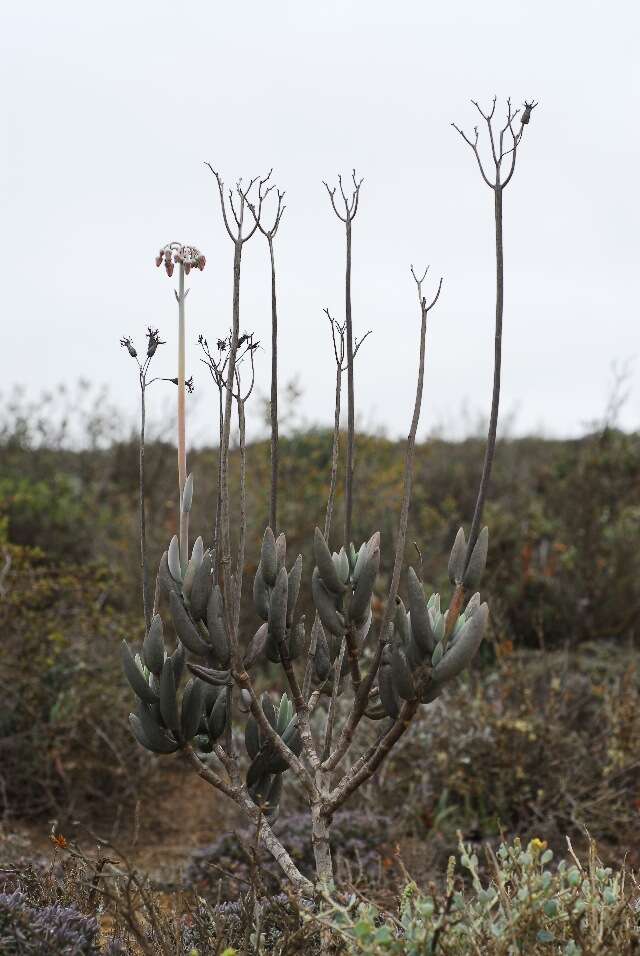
column 419, row 647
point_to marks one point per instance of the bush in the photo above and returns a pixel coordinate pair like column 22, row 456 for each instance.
column 545, row 742
column 27, row 930
column 60, row 628
column 527, row 905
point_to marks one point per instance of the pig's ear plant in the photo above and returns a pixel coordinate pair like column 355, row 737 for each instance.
column 387, row 672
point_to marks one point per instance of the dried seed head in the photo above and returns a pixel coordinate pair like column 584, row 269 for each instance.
column 127, row 344
column 154, row 341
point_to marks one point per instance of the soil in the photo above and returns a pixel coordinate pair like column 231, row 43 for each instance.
column 184, row 815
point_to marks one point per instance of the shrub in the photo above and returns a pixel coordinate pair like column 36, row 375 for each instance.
column 542, row 741
column 527, row 905
column 60, row 625
column 27, row 930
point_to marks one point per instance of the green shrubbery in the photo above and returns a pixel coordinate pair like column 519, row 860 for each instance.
column 63, row 749
column 545, row 742
column 526, row 904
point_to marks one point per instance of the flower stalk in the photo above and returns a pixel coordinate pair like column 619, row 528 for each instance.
column 186, row 258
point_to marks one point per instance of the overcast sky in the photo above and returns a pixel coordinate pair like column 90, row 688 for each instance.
column 109, row 111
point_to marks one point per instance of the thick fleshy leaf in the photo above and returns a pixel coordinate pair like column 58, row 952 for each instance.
column 462, row 652
column 142, row 738
column 217, row 628
column 256, row 647
column 168, row 700
column 201, row 587
column 218, row 716
column 293, row 589
column 192, row 708
column 401, row 673
column 325, row 565
column 174, row 560
column 477, row 561
column 360, row 605
column 281, row 550
column 135, row 676
column 420, row 620
column 457, row 558
column 269, row 558
column 278, row 606
column 325, row 603
column 153, row 646
column 261, row 595
column 185, row 628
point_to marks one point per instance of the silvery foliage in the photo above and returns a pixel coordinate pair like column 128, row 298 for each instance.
column 418, row 659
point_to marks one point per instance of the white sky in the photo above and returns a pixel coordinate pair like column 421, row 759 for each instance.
column 109, row 111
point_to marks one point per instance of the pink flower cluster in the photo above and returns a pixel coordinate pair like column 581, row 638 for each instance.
column 174, row 253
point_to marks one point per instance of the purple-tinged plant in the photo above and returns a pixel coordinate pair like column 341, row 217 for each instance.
column 28, row 930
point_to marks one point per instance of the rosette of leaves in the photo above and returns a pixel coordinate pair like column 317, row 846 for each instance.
column 161, row 722
column 275, row 595
column 165, row 720
column 423, row 653
column 342, row 586
column 265, row 773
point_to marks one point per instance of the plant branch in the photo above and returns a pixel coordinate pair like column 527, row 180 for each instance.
column 498, row 185
column 351, row 208
column 239, row 795
column 361, row 699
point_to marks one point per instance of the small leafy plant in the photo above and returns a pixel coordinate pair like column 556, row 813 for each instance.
column 418, row 648
column 526, row 904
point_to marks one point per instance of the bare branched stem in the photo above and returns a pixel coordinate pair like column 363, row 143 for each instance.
column 154, row 341
column 242, row 536
column 238, row 237
column 499, row 155
column 270, row 234
column 356, row 777
column 216, row 531
column 225, row 536
column 362, row 696
column 232, row 582
column 143, row 513
column 311, row 654
column 350, row 210
column 337, row 335
column 337, row 672
column 301, row 707
column 497, row 367
column 273, row 411
column 269, row 840
column 348, row 505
